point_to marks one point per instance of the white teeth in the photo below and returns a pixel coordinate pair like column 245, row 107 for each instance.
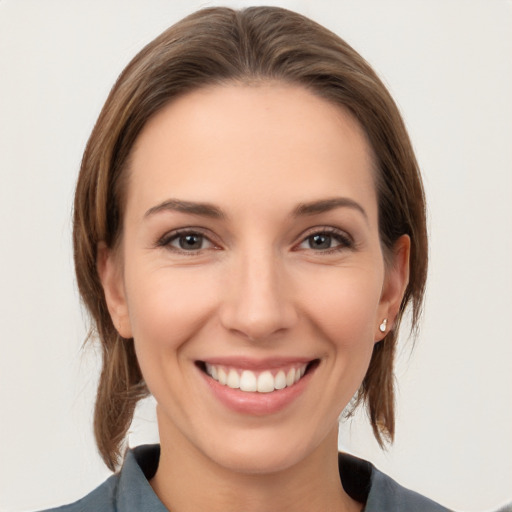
column 233, row 379
column 290, row 377
column 280, row 380
column 265, row 382
column 222, row 377
column 249, row 381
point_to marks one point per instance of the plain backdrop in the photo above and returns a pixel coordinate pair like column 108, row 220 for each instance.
column 449, row 66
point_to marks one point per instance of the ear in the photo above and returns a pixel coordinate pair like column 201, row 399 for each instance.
column 395, row 284
column 109, row 267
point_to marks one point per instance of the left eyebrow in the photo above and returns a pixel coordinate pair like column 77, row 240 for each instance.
column 190, row 207
column 325, row 205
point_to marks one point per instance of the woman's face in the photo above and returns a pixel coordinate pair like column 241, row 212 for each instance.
column 250, row 258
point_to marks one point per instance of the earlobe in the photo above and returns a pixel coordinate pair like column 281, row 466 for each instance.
column 109, row 269
column 395, row 284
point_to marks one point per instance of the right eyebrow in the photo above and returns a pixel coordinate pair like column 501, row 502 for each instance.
column 325, row 205
column 190, row 207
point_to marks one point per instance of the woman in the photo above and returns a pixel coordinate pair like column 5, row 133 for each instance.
column 249, row 229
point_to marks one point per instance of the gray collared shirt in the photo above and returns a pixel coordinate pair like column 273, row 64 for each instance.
column 130, row 491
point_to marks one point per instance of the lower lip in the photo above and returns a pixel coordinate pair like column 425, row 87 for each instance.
column 254, row 403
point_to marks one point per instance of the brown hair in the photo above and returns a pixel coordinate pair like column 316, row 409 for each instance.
column 215, row 46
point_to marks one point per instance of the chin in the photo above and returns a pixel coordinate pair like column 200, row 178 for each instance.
column 257, row 461
column 265, row 452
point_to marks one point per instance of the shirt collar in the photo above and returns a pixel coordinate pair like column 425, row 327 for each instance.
column 134, row 493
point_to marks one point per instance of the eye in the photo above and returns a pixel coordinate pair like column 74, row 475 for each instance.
column 320, row 241
column 326, row 240
column 186, row 241
column 190, row 242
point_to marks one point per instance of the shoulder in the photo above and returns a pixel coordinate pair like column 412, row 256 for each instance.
column 102, row 499
column 127, row 491
column 381, row 493
column 387, row 494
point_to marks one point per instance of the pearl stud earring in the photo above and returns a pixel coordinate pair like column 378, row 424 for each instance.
column 383, row 326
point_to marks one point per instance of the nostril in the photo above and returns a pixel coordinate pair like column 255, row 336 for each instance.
column 257, row 308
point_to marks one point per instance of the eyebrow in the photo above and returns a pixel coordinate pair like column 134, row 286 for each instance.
column 194, row 208
column 325, row 205
column 212, row 211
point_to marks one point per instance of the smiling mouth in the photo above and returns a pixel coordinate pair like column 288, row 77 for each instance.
column 265, row 381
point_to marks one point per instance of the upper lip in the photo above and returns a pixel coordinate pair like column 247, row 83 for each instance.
column 248, row 363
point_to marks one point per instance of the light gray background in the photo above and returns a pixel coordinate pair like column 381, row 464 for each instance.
column 448, row 64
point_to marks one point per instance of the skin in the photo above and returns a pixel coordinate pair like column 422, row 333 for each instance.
column 257, row 287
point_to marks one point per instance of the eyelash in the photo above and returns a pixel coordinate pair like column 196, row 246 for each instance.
column 168, row 238
column 343, row 239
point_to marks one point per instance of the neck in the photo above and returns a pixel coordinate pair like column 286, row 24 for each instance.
column 311, row 485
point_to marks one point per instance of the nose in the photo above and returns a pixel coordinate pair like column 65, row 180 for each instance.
column 258, row 300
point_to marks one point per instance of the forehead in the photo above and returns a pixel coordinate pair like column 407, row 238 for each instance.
column 225, row 142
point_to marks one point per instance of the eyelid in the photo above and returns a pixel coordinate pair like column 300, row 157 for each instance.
column 347, row 241
column 165, row 240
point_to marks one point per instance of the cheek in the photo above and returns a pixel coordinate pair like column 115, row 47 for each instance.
column 167, row 307
column 343, row 304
